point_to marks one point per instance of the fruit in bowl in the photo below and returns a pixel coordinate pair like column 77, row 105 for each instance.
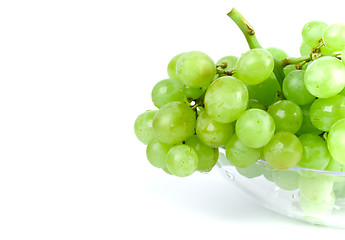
column 261, row 115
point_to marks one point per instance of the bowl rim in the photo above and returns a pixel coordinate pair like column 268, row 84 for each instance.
column 299, row 169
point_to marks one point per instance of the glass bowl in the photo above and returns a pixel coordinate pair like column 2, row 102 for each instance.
column 313, row 196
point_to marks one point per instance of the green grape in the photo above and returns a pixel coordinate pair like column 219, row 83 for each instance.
column 143, row 126
column 343, row 59
column 211, row 132
column 325, row 77
column 225, row 99
column 286, row 179
column 277, row 53
column 156, row 153
column 295, row 90
column 315, row 152
column 253, row 103
column 250, row 172
column 255, row 128
column 316, row 187
column 325, row 112
column 229, row 60
column 255, row 66
column 335, row 166
column 207, row 156
column 287, row 116
column 289, row 68
column 317, row 207
column 239, row 154
column 172, row 67
column 193, row 93
column 182, row 160
column 312, row 32
column 173, row 123
column 307, row 126
column 165, row 91
column 305, row 49
column 265, row 92
column 334, row 37
column 336, row 141
column 195, row 69
column 284, row 151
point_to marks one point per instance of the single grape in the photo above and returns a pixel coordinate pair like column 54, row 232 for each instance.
column 316, row 187
column 305, row 48
column 334, row 37
column 174, row 122
column 315, row 152
column 277, row 53
column 324, row 112
column 336, row 141
column 284, row 151
column 286, row 179
column 289, row 68
column 172, row 67
column 207, row 156
column 182, row 160
column 307, row 126
column 312, row 32
column 295, row 90
column 253, row 103
column 255, row 128
column 265, row 92
column 225, row 99
column 143, row 126
column 343, row 58
column 211, row 132
column 166, row 91
column 195, row 69
column 287, row 116
column 240, row 155
column 317, row 207
column 255, row 66
column 156, row 153
column 325, row 77
column 193, row 93
column 250, row 172
column 230, row 62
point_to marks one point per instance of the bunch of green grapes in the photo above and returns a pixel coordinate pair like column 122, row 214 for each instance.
column 240, row 104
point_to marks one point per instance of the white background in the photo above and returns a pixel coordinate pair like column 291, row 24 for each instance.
column 74, row 75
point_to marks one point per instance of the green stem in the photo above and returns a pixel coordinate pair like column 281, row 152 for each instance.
column 246, row 28
column 291, row 60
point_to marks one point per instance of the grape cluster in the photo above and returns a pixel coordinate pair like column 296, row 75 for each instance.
column 241, row 105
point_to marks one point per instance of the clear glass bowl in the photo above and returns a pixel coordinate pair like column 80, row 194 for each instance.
column 313, row 196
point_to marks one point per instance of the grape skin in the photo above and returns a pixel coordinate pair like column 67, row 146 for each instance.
column 173, row 123
column 325, row 77
column 225, row 99
column 211, row 132
column 143, row 126
column 284, row 151
column 255, row 128
column 255, row 66
column 182, row 160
